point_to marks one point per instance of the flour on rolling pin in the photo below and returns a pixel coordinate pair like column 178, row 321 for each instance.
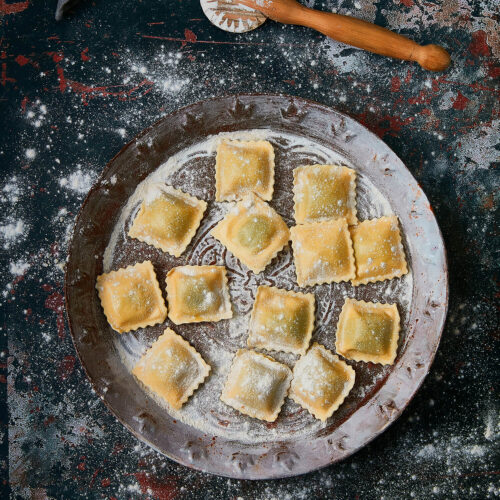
column 229, row 15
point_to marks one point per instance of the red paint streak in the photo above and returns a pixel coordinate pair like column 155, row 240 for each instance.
column 408, row 76
column 460, row 101
column 219, row 42
column 478, row 46
column 395, row 122
column 4, row 78
column 422, row 98
column 57, row 58
column 164, row 490
column 489, row 203
column 105, row 482
column 94, row 475
column 3, row 380
column 118, row 448
column 18, row 279
column 49, row 420
column 13, row 8
column 88, row 92
column 47, row 288
column 66, row 367
column 395, row 84
column 24, row 102
column 189, row 36
column 478, row 86
column 474, row 86
column 21, row 60
column 379, row 127
column 493, row 70
column 55, row 302
column 407, row 3
column 191, row 58
column 61, row 78
column 290, row 82
column 84, row 55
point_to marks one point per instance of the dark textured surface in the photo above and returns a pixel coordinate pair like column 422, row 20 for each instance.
column 71, row 94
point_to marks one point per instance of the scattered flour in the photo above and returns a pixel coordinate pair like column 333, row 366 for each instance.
column 30, row 154
column 492, row 425
column 12, row 233
column 18, row 268
column 451, row 452
column 10, row 191
column 77, row 181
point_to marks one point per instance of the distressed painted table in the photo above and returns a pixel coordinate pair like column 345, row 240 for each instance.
column 72, row 94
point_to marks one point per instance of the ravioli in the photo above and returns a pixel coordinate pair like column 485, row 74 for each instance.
column 256, row 385
column 324, row 192
column 244, row 167
column 172, row 369
column 368, row 331
column 323, row 252
column 168, row 219
column 321, row 382
column 198, row 293
column 131, row 297
column 378, row 250
column 281, row 320
column 253, row 232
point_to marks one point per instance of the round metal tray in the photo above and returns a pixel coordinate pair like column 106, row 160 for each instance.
column 296, row 443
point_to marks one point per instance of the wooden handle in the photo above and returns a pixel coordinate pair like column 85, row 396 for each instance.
column 374, row 38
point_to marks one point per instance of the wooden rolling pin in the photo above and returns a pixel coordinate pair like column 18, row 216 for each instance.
column 354, row 32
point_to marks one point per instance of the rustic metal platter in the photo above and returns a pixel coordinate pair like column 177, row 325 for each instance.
column 179, row 150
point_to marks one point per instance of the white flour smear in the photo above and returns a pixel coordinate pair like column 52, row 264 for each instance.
column 217, row 342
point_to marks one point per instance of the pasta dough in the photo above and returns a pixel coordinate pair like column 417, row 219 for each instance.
column 172, row 369
column 168, row 219
column 242, row 167
column 323, row 252
column 256, row 385
column 131, row 297
column 198, row 293
column 378, row 250
column 253, row 232
column 323, row 192
column 321, row 382
column 281, row 320
column 368, row 331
